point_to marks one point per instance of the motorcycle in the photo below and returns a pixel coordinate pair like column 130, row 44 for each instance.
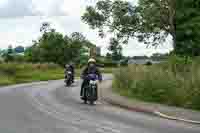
column 91, row 92
column 68, row 78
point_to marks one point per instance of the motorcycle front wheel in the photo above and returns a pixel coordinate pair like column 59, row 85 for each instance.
column 91, row 102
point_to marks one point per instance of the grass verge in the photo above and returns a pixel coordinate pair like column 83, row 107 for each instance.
column 168, row 83
column 14, row 73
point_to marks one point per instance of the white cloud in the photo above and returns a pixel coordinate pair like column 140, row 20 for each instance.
column 49, row 7
column 3, row 2
column 134, row 48
column 17, row 8
column 21, row 8
column 21, row 20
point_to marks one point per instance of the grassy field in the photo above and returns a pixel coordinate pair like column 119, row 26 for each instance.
column 14, row 73
column 171, row 83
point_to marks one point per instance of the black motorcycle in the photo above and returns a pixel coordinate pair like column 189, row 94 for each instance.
column 91, row 92
column 68, row 78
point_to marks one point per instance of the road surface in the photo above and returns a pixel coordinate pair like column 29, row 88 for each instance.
column 49, row 107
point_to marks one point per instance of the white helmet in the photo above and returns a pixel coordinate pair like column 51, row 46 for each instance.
column 91, row 60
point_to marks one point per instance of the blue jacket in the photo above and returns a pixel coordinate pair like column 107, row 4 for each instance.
column 91, row 70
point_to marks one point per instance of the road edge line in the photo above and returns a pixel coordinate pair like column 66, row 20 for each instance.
column 153, row 112
column 175, row 118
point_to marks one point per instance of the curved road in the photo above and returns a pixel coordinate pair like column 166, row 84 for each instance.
column 49, row 107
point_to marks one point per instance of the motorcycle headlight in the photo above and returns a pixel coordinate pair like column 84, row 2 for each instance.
column 93, row 82
column 69, row 72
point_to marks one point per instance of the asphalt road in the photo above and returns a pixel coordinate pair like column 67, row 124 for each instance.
column 49, row 107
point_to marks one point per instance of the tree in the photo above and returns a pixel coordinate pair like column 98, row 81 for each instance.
column 1, row 52
column 50, row 47
column 115, row 49
column 108, row 56
column 10, row 49
column 54, row 47
column 157, row 20
column 8, row 55
column 46, row 27
column 76, row 36
column 128, row 21
column 151, row 21
column 140, row 57
column 187, row 27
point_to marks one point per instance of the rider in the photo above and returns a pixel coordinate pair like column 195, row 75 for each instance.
column 70, row 67
column 90, row 69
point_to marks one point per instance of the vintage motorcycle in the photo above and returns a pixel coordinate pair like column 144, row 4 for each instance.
column 91, row 90
column 68, row 78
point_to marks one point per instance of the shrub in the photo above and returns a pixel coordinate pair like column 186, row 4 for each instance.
column 149, row 63
column 19, row 58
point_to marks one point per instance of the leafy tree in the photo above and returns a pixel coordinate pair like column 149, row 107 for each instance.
column 127, row 20
column 8, row 55
column 1, row 52
column 52, row 46
column 108, row 56
column 78, row 37
column 116, row 49
column 140, row 57
column 79, row 46
column 151, row 21
column 32, row 53
column 187, row 27
column 157, row 20
column 10, row 49
column 46, row 27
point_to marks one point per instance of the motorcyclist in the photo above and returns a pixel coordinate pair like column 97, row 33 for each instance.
column 70, row 67
column 90, row 69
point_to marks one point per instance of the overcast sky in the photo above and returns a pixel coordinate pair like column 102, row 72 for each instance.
column 20, row 21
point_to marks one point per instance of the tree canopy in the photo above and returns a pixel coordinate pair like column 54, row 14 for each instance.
column 115, row 49
column 188, row 27
column 150, row 21
column 52, row 46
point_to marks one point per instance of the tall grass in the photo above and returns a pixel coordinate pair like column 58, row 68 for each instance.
column 172, row 83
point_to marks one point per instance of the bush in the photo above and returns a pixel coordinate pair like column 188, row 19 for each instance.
column 176, row 82
column 149, row 63
column 19, row 58
column 1, row 60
